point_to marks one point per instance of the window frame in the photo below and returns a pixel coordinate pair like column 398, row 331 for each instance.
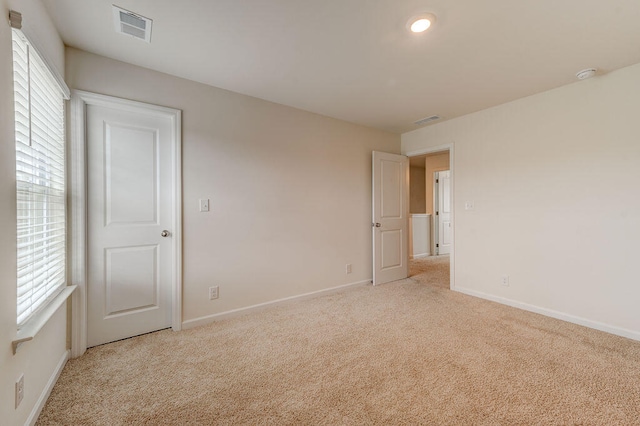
column 28, row 326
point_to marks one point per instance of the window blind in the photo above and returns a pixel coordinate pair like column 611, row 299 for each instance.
column 40, row 179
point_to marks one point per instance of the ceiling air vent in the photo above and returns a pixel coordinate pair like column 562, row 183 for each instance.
column 132, row 24
column 427, row 120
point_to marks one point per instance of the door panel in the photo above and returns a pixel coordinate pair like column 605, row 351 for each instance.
column 129, row 186
column 131, row 279
column 390, row 219
column 444, row 212
column 391, row 242
column 131, row 156
column 391, row 193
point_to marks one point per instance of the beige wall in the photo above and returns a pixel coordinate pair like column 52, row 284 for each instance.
column 36, row 359
column 416, row 192
column 433, row 163
column 290, row 191
column 555, row 180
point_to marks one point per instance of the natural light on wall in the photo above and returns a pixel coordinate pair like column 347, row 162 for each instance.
column 40, row 176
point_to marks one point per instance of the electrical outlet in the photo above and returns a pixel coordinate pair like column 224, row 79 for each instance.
column 505, row 280
column 19, row 390
column 213, row 292
column 348, row 268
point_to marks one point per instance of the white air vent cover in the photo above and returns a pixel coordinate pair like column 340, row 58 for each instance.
column 132, row 24
column 427, row 120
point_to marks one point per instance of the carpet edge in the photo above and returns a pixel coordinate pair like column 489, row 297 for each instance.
column 207, row 319
column 574, row 319
column 44, row 396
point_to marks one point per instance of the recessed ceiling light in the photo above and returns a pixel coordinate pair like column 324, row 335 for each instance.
column 421, row 23
column 584, row 74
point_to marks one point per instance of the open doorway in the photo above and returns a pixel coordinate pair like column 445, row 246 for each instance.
column 430, row 191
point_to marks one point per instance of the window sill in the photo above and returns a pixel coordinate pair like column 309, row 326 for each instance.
column 31, row 328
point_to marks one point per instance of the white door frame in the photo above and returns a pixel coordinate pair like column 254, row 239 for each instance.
column 432, row 150
column 78, row 209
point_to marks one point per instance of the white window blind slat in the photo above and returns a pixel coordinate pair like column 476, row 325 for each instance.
column 35, row 293
column 24, row 267
column 38, row 169
column 43, row 233
column 44, row 272
column 43, row 239
column 40, row 177
column 43, row 127
column 38, row 147
column 37, row 166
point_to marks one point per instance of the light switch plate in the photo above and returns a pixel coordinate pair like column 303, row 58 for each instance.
column 204, row 204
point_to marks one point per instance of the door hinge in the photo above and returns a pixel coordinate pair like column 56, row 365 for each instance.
column 437, row 213
column 437, row 180
column 437, row 245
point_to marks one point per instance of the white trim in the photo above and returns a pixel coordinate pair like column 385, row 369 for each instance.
column 176, row 191
column 79, row 102
column 42, row 400
column 441, row 148
column 196, row 322
column 431, row 150
column 420, row 215
column 618, row 331
column 78, row 228
column 419, row 256
column 32, row 327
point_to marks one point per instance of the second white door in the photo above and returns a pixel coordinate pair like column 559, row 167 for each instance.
column 130, row 211
column 443, row 212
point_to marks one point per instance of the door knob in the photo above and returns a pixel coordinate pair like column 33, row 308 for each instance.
column 165, row 233
column 378, row 225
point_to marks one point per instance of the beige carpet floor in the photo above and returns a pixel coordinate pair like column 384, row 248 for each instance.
column 409, row 352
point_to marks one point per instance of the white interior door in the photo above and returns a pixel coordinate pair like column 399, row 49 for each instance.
column 390, row 217
column 443, row 212
column 130, row 214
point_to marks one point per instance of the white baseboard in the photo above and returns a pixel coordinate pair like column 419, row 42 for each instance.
column 418, row 256
column 33, row 417
column 240, row 311
column 618, row 331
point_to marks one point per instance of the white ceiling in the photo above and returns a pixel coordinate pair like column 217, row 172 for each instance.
column 355, row 60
